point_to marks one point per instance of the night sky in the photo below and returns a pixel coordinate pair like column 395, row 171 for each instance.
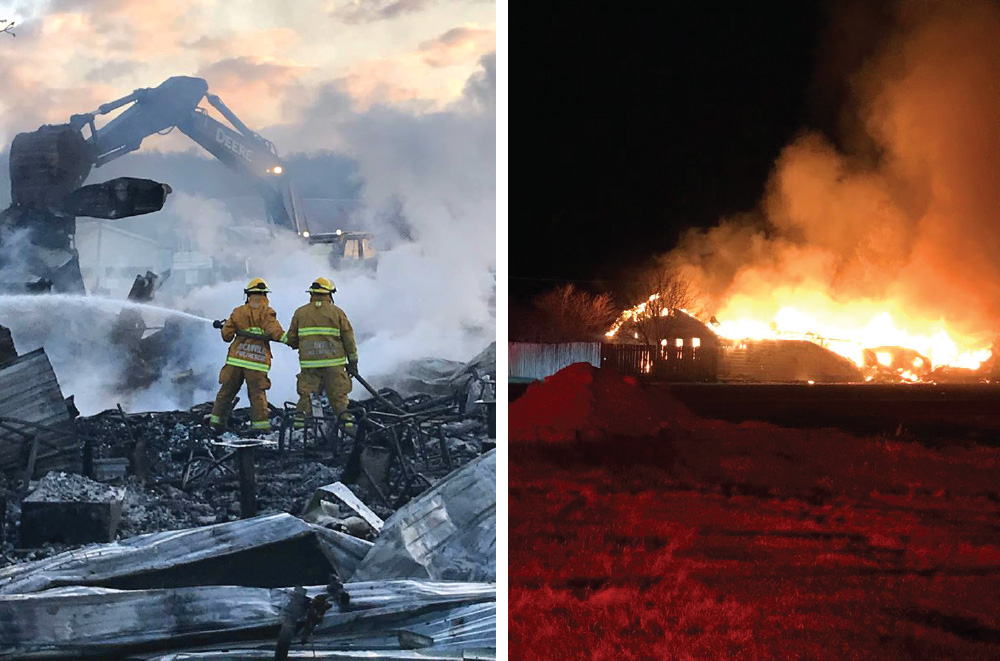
column 644, row 124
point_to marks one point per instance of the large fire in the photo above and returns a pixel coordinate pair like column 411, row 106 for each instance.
column 848, row 330
column 882, row 245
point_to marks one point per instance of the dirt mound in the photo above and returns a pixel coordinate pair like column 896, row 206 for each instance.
column 582, row 401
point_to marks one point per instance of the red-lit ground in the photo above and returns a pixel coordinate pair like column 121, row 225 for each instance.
column 717, row 540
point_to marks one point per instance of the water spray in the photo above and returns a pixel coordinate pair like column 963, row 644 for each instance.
column 34, row 301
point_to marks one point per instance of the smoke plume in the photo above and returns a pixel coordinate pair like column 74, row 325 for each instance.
column 904, row 218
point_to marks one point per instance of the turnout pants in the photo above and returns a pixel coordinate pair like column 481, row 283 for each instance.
column 232, row 379
column 311, row 380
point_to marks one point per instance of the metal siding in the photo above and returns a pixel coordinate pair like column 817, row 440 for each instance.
column 537, row 361
column 30, row 392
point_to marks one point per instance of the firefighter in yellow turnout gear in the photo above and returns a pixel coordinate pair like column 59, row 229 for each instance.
column 250, row 328
column 325, row 339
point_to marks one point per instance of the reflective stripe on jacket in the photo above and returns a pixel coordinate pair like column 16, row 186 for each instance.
column 255, row 316
column 322, row 333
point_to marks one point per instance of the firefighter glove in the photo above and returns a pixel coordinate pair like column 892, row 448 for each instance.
column 352, row 367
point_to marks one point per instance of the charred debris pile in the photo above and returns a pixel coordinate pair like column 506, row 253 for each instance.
column 377, row 538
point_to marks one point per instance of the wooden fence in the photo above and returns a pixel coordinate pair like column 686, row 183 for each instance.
column 668, row 362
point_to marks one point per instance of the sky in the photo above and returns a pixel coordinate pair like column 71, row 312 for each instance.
column 650, row 122
column 269, row 60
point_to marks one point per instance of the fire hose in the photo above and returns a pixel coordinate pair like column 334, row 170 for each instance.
column 219, row 323
column 352, row 369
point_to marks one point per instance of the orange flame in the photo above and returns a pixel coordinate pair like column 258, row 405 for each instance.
column 845, row 330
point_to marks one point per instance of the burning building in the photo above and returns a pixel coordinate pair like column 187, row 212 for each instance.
column 881, row 239
column 673, row 345
column 670, row 346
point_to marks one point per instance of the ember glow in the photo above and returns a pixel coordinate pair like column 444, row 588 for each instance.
column 850, row 340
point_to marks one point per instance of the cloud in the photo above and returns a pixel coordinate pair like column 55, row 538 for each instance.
column 110, row 71
column 424, row 77
column 262, row 45
column 458, row 46
column 481, row 88
column 253, row 88
column 367, row 11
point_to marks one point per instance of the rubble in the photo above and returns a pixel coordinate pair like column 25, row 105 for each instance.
column 189, row 578
column 448, row 533
column 106, row 470
column 72, row 488
column 70, row 509
column 436, row 376
column 336, row 505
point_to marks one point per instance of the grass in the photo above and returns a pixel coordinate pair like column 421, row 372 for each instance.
column 722, row 541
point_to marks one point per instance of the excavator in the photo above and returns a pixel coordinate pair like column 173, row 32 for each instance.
column 48, row 166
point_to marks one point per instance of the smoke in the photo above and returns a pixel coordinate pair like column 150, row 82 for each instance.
column 904, row 218
column 428, row 181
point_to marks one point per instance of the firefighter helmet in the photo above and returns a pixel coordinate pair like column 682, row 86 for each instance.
column 256, row 286
column 322, row 286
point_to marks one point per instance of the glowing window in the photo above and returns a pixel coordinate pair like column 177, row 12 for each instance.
column 663, row 342
column 679, row 342
column 696, row 341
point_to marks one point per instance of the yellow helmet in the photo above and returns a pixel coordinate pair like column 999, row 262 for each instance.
column 256, row 286
column 322, row 286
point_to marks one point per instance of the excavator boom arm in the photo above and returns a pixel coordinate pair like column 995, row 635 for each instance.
column 174, row 103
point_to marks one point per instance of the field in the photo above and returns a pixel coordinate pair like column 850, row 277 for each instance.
column 714, row 539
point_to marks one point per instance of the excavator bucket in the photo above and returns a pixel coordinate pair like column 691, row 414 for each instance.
column 118, row 198
column 46, row 165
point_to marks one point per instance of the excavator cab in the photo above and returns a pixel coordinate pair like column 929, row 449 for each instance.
column 344, row 249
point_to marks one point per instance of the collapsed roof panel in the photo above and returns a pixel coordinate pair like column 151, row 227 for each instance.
column 784, row 361
column 32, row 405
column 382, row 615
column 447, row 533
column 333, row 655
column 267, row 551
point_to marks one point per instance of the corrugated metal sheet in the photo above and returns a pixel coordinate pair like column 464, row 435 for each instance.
column 333, row 655
column 447, row 533
column 104, row 623
column 30, row 392
column 266, row 551
column 537, row 361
